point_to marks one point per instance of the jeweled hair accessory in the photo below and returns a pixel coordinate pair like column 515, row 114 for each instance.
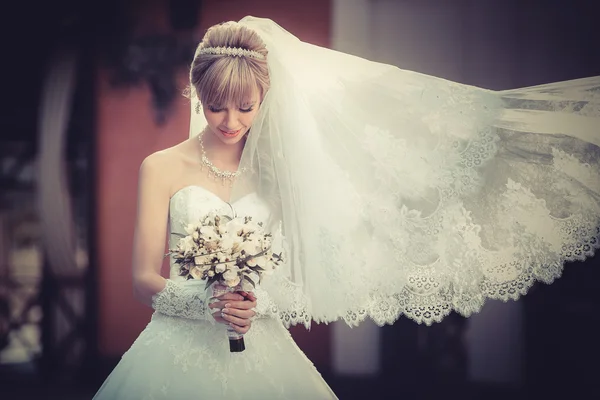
column 232, row 51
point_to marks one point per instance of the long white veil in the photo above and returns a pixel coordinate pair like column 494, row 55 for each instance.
column 402, row 193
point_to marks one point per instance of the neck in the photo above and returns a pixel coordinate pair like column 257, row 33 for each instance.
column 221, row 153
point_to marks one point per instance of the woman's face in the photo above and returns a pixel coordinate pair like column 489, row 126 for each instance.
column 229, row 123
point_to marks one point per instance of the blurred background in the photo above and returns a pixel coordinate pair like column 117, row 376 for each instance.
column 91, row 88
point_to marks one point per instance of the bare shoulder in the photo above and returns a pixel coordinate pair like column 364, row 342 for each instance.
column 163, row 168
column 159, row 161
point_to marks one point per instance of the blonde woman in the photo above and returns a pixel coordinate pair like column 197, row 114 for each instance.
column 184, row 352
column 396, row 193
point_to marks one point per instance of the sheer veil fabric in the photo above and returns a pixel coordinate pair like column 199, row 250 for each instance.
column 399, row 193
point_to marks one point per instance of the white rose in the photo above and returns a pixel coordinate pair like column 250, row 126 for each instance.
column 208, row 232
column 220, row 268
column 252, row 226
column 211, row 273
column 236, row 245
column 231, row 272
column 195, row 235
column 190, row 228
column 251, row 247
column 187, row 244
column 260, row 261
column 227, row 243
column 232, row 282
column 235, row 226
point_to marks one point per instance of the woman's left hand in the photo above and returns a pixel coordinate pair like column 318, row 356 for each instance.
column 236, row 313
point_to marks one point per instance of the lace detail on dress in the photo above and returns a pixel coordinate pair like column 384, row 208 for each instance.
column 196, row 345
column 185, row 300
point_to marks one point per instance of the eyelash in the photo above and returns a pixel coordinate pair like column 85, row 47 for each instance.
column 216, row 110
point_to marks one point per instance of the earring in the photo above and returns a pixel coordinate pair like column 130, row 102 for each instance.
column 198, row 108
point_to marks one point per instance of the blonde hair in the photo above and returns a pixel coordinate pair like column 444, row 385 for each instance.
column 219, row 79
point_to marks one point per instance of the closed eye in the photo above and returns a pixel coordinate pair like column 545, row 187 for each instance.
column 217, row 110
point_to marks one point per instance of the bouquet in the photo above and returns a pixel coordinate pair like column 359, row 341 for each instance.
column 234, row 252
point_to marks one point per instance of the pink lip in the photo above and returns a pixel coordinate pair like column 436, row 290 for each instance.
column 230, row 133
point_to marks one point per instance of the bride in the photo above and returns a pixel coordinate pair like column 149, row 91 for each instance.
column 391, row 193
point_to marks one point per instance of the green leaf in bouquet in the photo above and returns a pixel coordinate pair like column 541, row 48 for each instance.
column 212, row 280
column 246, row 278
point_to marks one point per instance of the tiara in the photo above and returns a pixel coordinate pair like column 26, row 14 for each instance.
column 232, row 51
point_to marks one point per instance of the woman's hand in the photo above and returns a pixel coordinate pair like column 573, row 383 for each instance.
column 235, row 310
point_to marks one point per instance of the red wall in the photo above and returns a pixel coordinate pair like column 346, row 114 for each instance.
column 127, row 134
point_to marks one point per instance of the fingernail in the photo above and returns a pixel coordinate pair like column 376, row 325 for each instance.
column 226, row 310
column 227, row 305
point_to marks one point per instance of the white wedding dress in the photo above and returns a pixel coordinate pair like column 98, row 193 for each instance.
column 179, row 359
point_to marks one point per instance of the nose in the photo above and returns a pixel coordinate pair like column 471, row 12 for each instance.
column 231, row 118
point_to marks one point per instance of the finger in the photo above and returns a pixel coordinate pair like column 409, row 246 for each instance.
column 240, row 329
column 247, row 314
column 226, row 304
column 241, row 305
column 218, row 304
column 250, row 296
column 230, row 296
column 235, row 320
column 219, row 318
column 222, row 301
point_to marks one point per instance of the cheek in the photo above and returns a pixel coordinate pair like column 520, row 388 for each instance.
column 248, row 118
column 212, row 119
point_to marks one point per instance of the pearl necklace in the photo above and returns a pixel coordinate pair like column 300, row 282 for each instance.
column 215, row 172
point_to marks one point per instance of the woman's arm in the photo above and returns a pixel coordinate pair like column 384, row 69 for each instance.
column 179, row 299
column 182, row 299
column 151, row 227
